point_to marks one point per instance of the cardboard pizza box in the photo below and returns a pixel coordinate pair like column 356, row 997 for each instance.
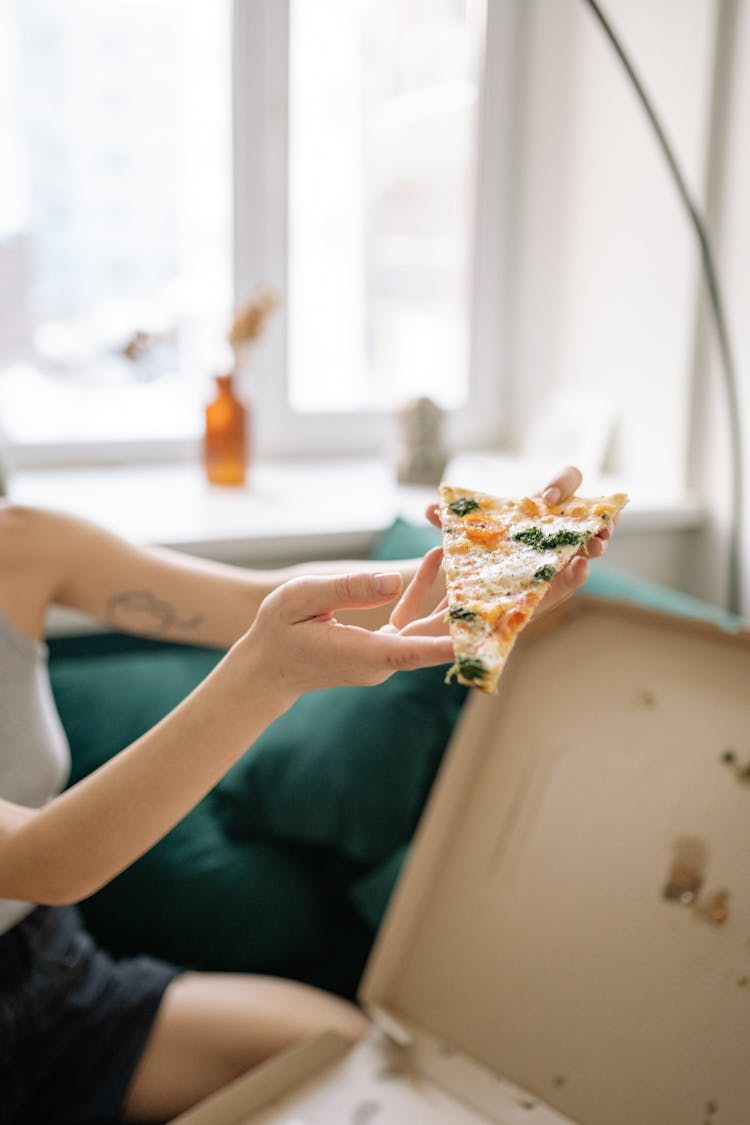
column 570, row 939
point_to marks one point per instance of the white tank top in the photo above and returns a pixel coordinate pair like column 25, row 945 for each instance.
column 34, row 754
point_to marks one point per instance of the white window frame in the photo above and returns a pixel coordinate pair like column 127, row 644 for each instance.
column 260, row 57
column 260, row 104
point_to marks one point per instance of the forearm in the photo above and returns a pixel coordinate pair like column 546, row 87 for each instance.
column 86, row 836
column 151, row 591
column 165, row 594
column 228, row 610
column 225, row 612
column 168, row 595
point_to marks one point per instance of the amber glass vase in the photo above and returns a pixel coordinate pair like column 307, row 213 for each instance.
column 225, row 444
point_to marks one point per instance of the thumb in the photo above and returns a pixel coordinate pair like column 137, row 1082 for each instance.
column 317, row 596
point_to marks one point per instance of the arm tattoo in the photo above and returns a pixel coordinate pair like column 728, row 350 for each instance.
column 136, row 610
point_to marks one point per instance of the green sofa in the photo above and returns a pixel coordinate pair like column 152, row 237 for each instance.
column 287, row 865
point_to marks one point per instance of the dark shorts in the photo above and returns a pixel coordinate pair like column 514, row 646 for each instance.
column 73, row 1022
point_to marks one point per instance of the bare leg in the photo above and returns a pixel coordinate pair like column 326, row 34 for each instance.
column 212, row 1027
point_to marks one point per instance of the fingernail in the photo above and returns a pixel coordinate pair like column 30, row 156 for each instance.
column 387, row 583
column 551, row 496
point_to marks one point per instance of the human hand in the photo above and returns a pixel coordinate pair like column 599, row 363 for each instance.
column 296, row 645
column 417, row 609
column 573, row 576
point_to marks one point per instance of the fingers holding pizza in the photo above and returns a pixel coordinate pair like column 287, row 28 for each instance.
column 424, row 596
column 509, row 559
column 504, row 560
column 296, row 644
column 563, row 486
column 558, row 492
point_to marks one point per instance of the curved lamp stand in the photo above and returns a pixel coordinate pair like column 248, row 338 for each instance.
column 728, row 368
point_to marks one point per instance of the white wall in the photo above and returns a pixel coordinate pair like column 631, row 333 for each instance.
column 606, row 267
column 729, row 217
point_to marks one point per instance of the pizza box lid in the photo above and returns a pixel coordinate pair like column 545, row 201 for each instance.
column 570, row 938
column 575, row 912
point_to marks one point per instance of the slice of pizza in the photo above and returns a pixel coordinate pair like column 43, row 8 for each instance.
column 500, row 556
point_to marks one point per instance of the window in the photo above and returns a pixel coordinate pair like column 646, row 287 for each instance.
column 115, row 208
column 360, row 175
column 354, row 170
column 383, row 106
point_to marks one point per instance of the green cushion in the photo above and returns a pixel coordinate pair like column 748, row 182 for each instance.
column 348, row 768
column 607, row 582
column 110, row 689
column 198, row 897
column 371, row 893
column 201, row 899
column 404, row 540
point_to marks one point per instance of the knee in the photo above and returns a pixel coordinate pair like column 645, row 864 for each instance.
column 349, row 1021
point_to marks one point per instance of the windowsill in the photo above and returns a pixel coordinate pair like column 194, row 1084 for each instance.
column 292, row 511
column 287, row 511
